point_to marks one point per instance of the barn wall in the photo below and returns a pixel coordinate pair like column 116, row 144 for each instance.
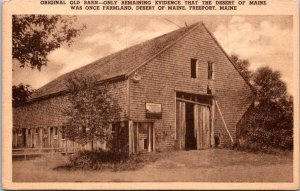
column 232, row 92
column 49, row 112
column 170, row 71
column 161, row 78
column 41, row 113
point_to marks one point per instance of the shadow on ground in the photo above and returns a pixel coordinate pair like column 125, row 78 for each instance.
column 214, row 165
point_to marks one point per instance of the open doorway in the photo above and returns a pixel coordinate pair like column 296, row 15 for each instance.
column 193, row 121
column 191, row 142
column 143, row 137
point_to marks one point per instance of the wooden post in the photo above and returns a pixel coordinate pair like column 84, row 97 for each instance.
column 130, row 137
column 56, row 137
column 212, row 114
column 31, row 134
column 49, row 137
column 15, row 138
column 137, row 137
column 41, row 137
column 66, row 145
column 34, row 138
column 37, row 138
column 26, row 138
column 29, row 138
column 224, row 122
column 153, row 149
column 149, row 139
column 59, row 135
column 74, row 145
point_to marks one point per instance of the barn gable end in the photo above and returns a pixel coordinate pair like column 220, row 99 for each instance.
column 170, row 72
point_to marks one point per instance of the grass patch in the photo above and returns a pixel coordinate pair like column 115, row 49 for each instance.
column 101, row 160
column 262, row 150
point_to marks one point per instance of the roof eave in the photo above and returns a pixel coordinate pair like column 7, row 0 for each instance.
column 222, row 49
column 63, row 92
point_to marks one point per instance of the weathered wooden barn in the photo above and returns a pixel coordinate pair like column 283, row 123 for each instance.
column 177, row 91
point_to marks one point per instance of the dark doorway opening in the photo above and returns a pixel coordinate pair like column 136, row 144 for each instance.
column 190, row 140
column 24, row 137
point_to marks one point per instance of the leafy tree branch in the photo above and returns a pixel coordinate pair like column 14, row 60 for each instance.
column 35, row 36
column 20, row 94
column 91, row 111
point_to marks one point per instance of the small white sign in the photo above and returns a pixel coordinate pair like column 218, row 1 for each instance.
column 153, row 111
column 153, row 107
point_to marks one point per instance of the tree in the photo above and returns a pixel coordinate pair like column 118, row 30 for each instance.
column 20, row 94
column 270, row 123
column 270, row 87
column 90, row 112
column 35, row 36
column 242, row 65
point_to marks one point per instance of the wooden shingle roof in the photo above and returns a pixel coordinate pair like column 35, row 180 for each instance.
column 121, row 63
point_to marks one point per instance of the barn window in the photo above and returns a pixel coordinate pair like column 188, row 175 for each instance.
column 210, row 70
column 55, row 130
column 193, row 68
column 63, row 135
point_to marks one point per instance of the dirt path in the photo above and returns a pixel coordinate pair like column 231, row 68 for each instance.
column 215, row 165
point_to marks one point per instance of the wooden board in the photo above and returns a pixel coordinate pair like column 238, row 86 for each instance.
column 180, row 125
column 202, row 126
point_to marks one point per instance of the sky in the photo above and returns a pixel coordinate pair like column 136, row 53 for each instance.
column 263, row 40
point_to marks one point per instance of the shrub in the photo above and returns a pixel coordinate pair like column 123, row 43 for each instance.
column 268, row 124
column 100, row 160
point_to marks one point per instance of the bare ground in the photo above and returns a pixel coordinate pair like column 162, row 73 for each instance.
column 214, row 165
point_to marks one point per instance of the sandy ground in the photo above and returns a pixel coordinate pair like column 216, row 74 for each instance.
column 215, row 165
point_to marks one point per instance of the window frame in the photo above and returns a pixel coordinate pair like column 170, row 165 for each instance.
column 210, row 70
column 194, row 67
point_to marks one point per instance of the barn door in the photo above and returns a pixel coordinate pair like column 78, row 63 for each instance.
column 142, row 137
column 180, row 125
column 202, row 126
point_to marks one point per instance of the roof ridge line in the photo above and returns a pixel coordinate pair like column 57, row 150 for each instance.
column 197, row 24
column 222, row 49
column 110, row 55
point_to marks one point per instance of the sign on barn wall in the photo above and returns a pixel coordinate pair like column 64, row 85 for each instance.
column 153, row 111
